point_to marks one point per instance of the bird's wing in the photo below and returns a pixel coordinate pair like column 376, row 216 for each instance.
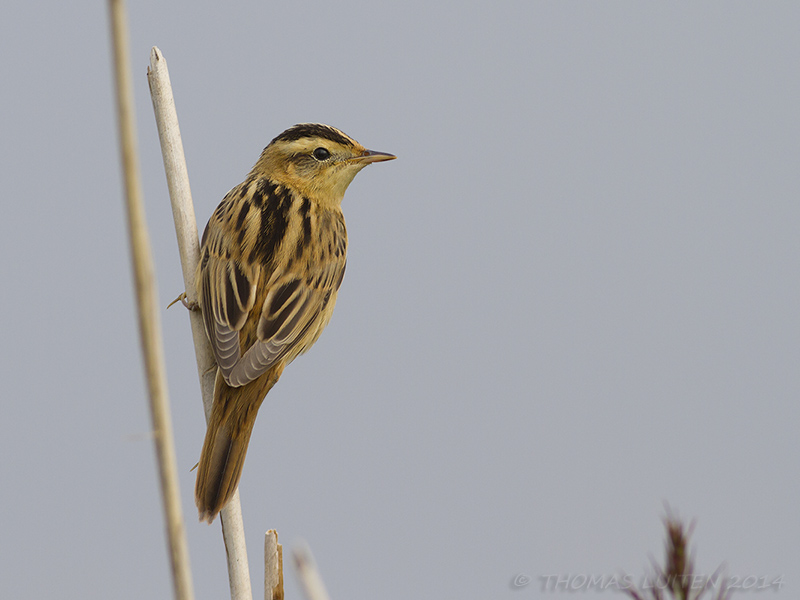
column 227, row 292
column 286, row 322
column 292, row 316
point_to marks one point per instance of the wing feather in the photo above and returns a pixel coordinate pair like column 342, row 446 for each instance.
column 288, row 319
column 227, row 292
column 288, row 325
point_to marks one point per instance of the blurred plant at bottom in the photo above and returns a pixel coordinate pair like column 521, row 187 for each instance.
column 677, row 578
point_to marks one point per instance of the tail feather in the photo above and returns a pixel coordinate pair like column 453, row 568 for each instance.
column 221, row 463
column 225, row 447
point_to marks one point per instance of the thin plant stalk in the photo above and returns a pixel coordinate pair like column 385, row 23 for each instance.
column 273, row 567
column 307, row 573
column 189, row 249
column 146, row 302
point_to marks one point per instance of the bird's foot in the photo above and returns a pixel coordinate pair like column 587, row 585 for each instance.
column 182, row 299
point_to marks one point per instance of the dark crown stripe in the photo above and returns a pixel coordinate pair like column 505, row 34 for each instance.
column 305, row 130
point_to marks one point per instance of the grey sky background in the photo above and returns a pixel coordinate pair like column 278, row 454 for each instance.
column 572, row 298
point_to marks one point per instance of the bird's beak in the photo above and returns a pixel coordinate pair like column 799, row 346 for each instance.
column 370, row 156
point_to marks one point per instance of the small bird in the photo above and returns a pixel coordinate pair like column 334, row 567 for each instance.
column 272, row 259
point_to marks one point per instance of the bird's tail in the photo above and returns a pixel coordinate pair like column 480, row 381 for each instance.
column 225, row 447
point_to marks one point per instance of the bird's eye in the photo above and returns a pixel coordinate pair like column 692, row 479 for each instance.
column 321, row 154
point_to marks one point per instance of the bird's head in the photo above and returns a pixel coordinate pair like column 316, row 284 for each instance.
column 318, row 160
